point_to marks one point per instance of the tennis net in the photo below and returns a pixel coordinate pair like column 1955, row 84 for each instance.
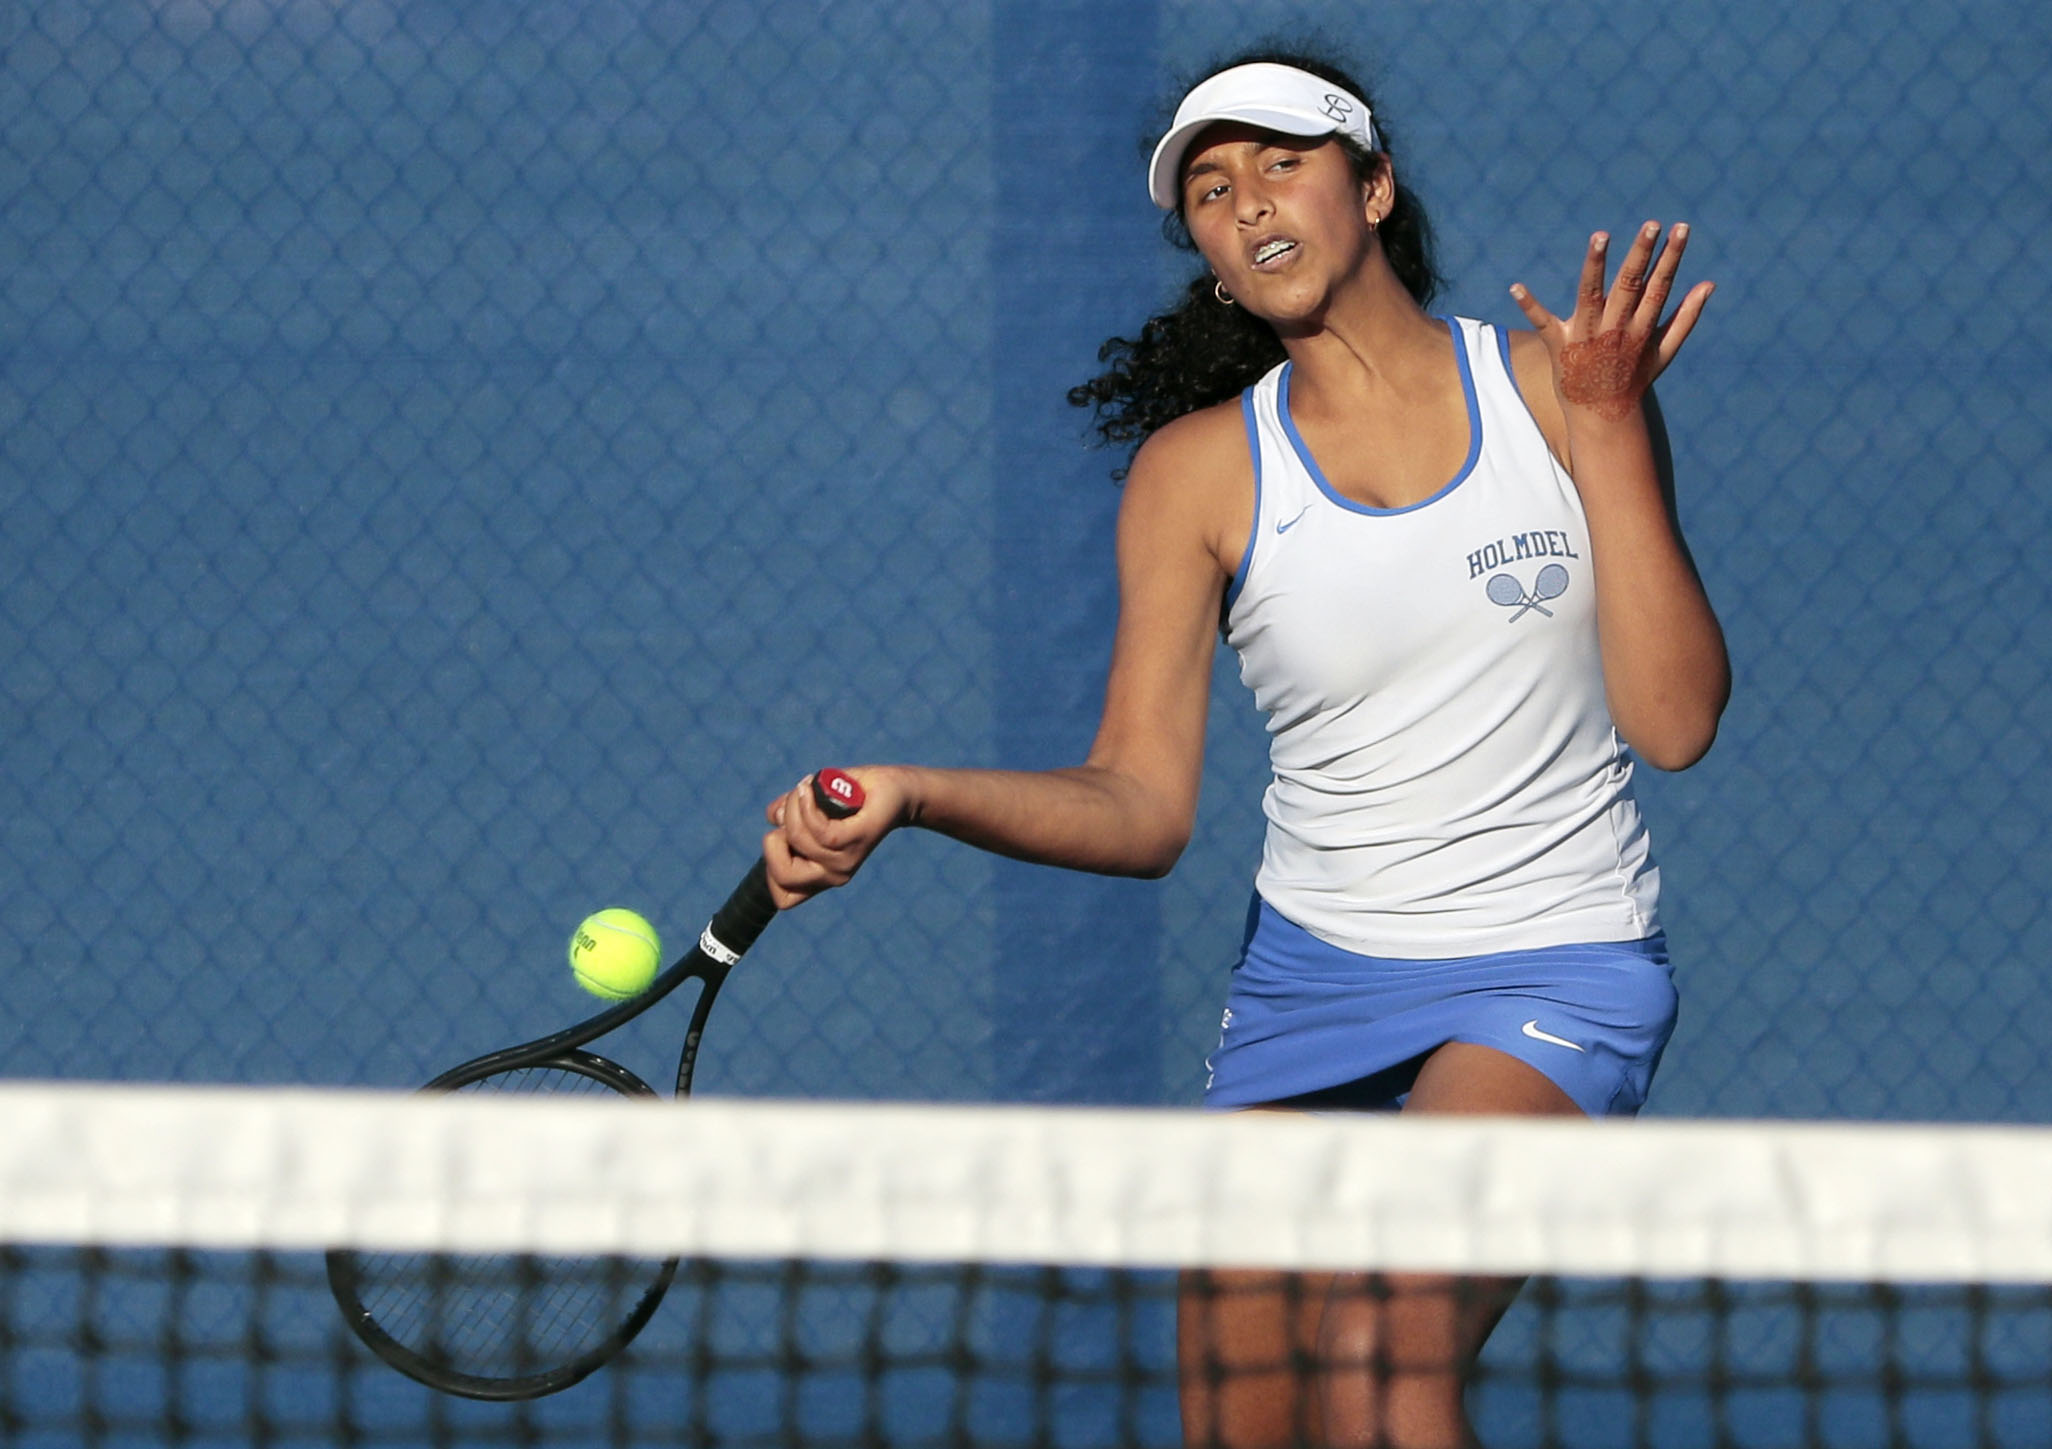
column 898, row 1275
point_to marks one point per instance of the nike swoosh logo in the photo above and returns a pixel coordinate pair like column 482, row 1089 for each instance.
column 1281, row 527
column 1531, row 1029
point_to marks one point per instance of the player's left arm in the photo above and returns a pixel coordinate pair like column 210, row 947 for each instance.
column 1665, row 670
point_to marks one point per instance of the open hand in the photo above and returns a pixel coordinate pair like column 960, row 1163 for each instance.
column 1607, row 354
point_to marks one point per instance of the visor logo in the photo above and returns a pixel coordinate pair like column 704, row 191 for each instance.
column 1338, row 108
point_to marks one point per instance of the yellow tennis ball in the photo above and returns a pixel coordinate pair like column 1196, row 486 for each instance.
column 615, row 953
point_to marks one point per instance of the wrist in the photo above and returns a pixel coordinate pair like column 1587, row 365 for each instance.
column 1606, row 424
column 1607, row 453
column 907, row 783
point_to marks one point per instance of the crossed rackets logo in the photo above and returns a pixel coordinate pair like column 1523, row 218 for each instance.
column 1504, row 589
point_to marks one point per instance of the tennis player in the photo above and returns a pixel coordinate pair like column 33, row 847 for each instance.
column 1449, row 561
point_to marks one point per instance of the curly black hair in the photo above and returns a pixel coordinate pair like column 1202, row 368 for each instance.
column 1201, row 351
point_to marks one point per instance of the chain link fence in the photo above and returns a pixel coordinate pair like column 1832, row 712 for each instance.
column 457, row 462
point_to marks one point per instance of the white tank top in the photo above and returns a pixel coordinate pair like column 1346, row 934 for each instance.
column 1447, row 780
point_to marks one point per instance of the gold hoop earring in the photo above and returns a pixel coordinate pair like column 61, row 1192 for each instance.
column 1225, row 298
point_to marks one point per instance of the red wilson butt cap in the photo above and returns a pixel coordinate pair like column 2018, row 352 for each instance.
column 837, row 793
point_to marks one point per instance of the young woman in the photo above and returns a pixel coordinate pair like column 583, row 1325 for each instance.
column 1449, row 562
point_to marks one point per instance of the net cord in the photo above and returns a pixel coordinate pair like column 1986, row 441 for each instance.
column 289, row 1169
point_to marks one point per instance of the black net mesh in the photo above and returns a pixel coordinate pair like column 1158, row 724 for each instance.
column 179, row 1347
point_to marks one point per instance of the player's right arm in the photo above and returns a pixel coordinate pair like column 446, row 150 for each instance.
column 1129, row 807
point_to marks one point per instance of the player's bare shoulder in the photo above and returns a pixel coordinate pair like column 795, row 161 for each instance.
column 1194, row 477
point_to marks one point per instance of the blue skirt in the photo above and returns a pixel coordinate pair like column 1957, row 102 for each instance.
column 1310, row 1024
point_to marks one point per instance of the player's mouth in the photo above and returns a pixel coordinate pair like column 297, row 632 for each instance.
column 1273, row 252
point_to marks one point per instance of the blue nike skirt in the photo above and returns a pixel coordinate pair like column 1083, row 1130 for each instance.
column 1310, row 1024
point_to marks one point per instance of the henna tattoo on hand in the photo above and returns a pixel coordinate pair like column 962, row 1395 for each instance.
column 1602, row 374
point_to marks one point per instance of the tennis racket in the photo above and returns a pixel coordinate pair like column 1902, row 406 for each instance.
column 504, row 1327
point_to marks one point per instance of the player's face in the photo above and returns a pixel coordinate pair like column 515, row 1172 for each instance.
column 1281, row 219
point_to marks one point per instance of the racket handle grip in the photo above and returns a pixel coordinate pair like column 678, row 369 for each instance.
column 837, row 793
column 736, row 924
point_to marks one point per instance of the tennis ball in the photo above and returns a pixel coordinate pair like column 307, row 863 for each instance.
column 614, row 954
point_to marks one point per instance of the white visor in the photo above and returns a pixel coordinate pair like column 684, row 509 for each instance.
column 1273, row 97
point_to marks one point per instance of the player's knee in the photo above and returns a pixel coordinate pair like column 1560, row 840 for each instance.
column 1391, row 1364
column 1396, row 1323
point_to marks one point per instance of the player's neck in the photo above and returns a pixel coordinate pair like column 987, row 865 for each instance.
column 1374, row 340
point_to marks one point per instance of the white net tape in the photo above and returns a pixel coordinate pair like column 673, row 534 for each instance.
column 230, row 1168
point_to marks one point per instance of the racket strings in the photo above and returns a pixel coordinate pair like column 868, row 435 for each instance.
column 505, row 1316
